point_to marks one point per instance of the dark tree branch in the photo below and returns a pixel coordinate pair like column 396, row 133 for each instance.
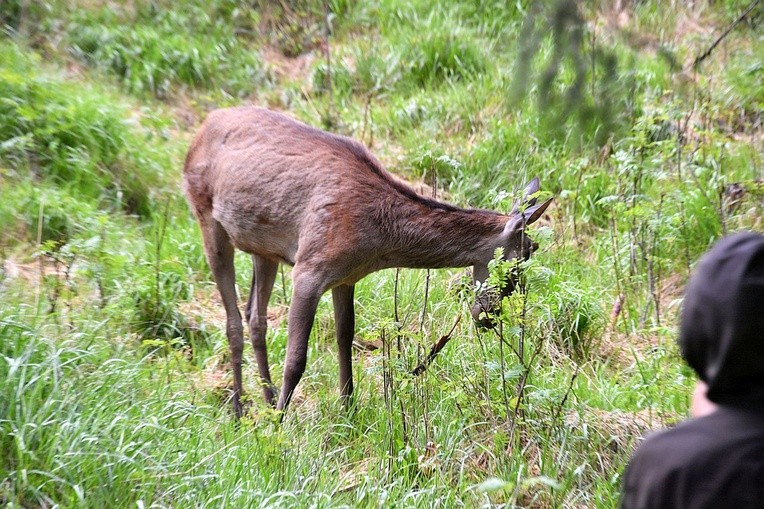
column 724, row 34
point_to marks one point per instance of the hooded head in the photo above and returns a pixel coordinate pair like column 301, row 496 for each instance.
column 722, row 325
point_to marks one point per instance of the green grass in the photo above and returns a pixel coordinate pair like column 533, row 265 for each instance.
column 157, row 60
column 114, row 366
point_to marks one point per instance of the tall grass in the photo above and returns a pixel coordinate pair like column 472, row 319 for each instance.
column 157, row 59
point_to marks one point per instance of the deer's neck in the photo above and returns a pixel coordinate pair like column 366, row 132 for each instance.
column 422, row 236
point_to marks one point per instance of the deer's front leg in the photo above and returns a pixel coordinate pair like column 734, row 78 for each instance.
column 305, row 296
column 344, row 320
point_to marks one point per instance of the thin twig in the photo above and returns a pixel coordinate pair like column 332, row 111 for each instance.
column 575, row 202
column 41, row 263
column 503, row 370
column 558, row 411
column 158, row 261
column 427, row 276
column 387, row 385
column 521, row 385
column 398, row 325
column 283, row 285
column 655, row 272
column 616, row 311
column 101, row 256
column 328, row 79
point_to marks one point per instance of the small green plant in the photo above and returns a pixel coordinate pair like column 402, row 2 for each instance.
column 160, row 285
column 576, row 322
column 341, row 80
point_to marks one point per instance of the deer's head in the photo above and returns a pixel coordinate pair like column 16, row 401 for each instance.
column 516, row 245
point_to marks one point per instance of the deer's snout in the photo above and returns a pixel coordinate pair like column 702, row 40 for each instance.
column 483, row 319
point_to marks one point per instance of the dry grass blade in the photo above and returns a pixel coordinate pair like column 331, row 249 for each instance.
column 437, row 347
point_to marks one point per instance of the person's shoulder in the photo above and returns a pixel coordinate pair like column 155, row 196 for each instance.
column 674, row 444
column 703, row 435
column 693, row 453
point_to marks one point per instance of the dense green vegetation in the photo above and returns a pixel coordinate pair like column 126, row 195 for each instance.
column 113, row 357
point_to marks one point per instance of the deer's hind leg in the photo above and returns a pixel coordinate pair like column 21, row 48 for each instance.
column 256, row 313
column 219, row 252
column 344, row 319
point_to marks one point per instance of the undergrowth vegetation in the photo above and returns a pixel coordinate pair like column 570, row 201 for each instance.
column 114, row 378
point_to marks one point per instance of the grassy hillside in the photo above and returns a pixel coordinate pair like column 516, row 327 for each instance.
column 114, row 366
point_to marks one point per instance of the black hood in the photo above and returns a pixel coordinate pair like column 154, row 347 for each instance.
column 722, row 325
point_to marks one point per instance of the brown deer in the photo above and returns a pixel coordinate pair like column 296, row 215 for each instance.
column 286, row 192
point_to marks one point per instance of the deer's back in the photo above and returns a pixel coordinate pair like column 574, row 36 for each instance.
column 272, row 181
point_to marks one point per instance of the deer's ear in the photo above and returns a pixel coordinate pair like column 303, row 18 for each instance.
column 531, row 214
column 528, row 199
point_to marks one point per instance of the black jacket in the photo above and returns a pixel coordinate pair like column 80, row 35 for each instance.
column 715, row 461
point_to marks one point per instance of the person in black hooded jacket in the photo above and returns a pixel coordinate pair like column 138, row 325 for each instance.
column 715, row 460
